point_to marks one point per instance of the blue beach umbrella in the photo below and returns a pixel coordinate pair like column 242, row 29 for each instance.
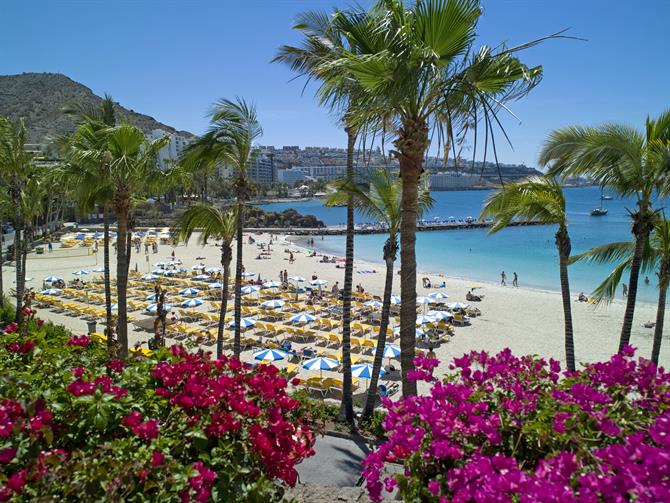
column 440, row 315
column 149, row 277
column 390, row 351
column 298, row 279
column 302, row 318
column 321, row 363
column 52, row 291
column 189, row 291
column 421, row 319
column 271, row 284
column 269, row 355
column 201, row 277
column 248, row 274
column 171, row 272
column 364, row 370
column 424, row 300
column 250, row 289
column 213, row 269
column 192, row 303
column 395, row 300
column 98, row 235
column 417, row 332
column 52, row 279
column 159, row 272
column 438, row 295
column 152, row 308
column 98, row 269
column 198, row 267
column 150, row 297
column 215, row 285
column 114, row 307
column 318, row 282
column 244, row 323
column 272, row 304
column 373, row 303
column 457, row 305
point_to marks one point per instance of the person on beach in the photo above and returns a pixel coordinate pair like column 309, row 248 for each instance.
column 336, row 288
column 646, row 280
column 290, row 258
column 503, row 277
column 624, row 289
column 582, row 297
column 50, row 246
column 515, row 279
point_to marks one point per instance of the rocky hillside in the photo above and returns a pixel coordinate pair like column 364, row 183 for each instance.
column 39, row 98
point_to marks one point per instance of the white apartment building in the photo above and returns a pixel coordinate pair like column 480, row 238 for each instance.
column 170, row 152
column 452, row 180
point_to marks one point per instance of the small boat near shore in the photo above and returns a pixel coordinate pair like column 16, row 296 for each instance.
column 598, row 212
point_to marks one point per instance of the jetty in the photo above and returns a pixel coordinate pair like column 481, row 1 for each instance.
column 339, row 230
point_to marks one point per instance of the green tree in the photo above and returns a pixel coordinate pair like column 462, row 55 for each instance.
column 132, row 168
column 230, row 140
column 380, row 200
column 212, row 223
column 630, row 163
column 655, row 257
column 541, row 200
column 16, row 169
column 89, row 171
column 416, row 67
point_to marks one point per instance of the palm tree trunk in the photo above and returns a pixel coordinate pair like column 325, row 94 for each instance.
column 225, row 263
column 564, row 248
column 664, row 279
column 411, row 143
column 347, row 404
column 17, row 255
column 122, row 279
column 389, row 258
column 106, row 275
column 237, row 349
column 641, row 228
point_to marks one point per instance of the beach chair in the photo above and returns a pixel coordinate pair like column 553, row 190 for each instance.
column 461, row 320
column 317, row 385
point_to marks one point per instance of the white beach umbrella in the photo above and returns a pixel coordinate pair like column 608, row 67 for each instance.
column 114, row 307
column 159, row 272
column 272, row 304
column 364, row 370
column 198, row 267
column 390, row 351
column 213, row 269
column 457, row 305
column 321, row 363
column 215, row 285
column 269, row 355
column 150, row 297
column 318, row 282
column 417, row 332
column 424, row 300
column 395, row 300
column 302, row 318
column 152, row 308
column 299, row 279
column 373, row 303
column 192, row 302
column 189, row 291
column 244, row 323
column 52, row 279
column 174, row 262
column 149, row 277
column 98, row 269
column 440, row 315
column 248, row 274
column 438, row 295
column 421, row 319
column 201, row 277
column 52, row 291
column 250, row 289
column 171, row 272
column 271, row 284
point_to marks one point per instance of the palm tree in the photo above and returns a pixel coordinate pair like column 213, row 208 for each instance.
column 380, row 201
column 417, row 66
column 325, row 40
column 655, row 256
column 218, row 225
column 88, row 167
column 16, row 168
column 629, row 162
column 233, row 129
column 132, row 167
column 541, row 200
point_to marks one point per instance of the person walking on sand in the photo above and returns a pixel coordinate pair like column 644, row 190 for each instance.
column 503, row 277
column 515, row 279
column 50, row 246
column 624, row 289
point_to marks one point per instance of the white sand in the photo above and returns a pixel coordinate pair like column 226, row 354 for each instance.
column 526, row 320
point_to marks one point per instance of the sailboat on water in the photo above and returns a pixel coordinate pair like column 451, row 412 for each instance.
column 600, row 211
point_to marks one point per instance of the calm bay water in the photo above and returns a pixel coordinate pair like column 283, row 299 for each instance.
column 473, row 254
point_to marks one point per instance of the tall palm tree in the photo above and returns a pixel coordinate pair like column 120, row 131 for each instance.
column 325, row 40
column 379, row 198
column 131, row 169
column 542, row 200
column 234, row 128
column 417, row 66
column 655, row 257
column 16, row 168
column 212, row 223
column 629, row 162
column 88, row 167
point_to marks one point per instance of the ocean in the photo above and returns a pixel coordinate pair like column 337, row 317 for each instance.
column 474, row 254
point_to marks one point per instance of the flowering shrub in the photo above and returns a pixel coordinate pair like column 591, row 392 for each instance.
column 504, row 428
column 176, row 426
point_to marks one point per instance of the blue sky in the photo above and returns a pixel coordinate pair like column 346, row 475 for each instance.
column 171, row 59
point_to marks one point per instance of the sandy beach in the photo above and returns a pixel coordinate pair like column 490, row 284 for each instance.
column 525, row 320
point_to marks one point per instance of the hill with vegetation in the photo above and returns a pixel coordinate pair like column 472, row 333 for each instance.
column 39, row 99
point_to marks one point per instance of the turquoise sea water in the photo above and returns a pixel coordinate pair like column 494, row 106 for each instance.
column 473, row 254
